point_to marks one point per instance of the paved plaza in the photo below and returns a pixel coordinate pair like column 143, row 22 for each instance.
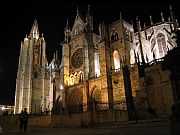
column 131, row 129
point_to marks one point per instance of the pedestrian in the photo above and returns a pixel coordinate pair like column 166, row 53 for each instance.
column 25, row 117
column 20, row 120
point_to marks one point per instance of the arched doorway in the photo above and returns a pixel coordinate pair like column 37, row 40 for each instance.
column 96, row 94
column 97, row 97
column 75, row 101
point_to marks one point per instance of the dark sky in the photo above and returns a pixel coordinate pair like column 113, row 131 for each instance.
column 17, row 19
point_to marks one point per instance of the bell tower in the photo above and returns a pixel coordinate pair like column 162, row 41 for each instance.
column 31, row 85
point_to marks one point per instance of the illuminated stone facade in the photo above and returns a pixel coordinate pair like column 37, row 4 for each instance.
column 35, row 79
column 92, row 66
column 100, row 77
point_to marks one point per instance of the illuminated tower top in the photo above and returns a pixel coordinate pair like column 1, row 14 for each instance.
column 34, row 30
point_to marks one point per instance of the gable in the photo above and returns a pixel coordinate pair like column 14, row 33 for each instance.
column 78, row 26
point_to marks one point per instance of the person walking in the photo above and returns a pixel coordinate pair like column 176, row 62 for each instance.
column 20, row 120
column 25, row 119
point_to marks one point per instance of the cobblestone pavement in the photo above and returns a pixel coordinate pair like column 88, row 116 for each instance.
column 133, row 129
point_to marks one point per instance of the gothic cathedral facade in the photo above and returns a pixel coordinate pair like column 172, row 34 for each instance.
column 91, row 66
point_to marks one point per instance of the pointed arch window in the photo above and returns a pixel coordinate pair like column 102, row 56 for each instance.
column 114, row 36
column 116, row 60
column 161, row 44
column 71, row 79
column 96, row 65
column 80, row 77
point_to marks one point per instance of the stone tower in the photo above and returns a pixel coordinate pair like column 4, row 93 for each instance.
column 31, row 82
column 78, row 59
column 116, row 44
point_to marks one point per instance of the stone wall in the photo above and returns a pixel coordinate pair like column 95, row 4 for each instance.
column 79, row 120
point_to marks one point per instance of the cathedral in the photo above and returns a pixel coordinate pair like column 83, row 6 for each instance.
column 118, row 68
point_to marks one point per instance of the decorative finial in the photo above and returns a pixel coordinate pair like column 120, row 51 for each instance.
column 144, row 26
column 137, row 18
column 77, row 10
column 88, row 11
column 151, row 20
column 162, row 17
column 145, row 31
column 170, row 7
column 54, row 55
column 169, row 19
column 120, row 16
column 132, row 23
column 67, row 24
column 138, row 23
column 177, row 23
column 171, row 13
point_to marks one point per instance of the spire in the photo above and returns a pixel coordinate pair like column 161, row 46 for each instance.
column 171, row 13
column 144, row 26
column 145, row 32
column 67, row 32
column 173, row 19
column 34, row 30
column 56, row 57
column 151, row 22
column 139, row 37
column 169, row 20
column 78, row 15
column 120, row 16
column 67, row 24
column 177, row 23
column 42, row 37
column 132, row 23
column 25, row 39
column 89, row 19
column 77, row 11
column 88, row 11
column 162, row 17
column 138, row 23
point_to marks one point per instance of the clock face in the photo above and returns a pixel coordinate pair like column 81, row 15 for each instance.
column 77, row 58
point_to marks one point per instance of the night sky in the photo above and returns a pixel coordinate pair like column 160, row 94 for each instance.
column 17, row 19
